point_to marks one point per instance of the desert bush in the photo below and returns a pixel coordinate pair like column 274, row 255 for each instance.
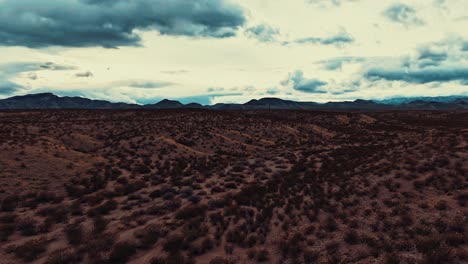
column 102, row 243
column 207, row 244
column 30, row 250
column 75, row 208
column 351, row 237
column 191, row 211
column 149, row 235
column 392, row 258
column 100, row 224
column 311, row 256
column 332, row 247
column 194, row 199
column 462, row 198
column 251, row 253
column 262, row 255
column 27, row 226
column 330, row 224
column 9, row 203
column 58, row 214
column 441, row 205
column 441, row 254
column 158, row 260
column 454, row 239
column 221, row 260
column 174, row 243
column 74, row 233
column 122, row 251
column 64, row 256
column 104, row 208
column 427, row 244
column 6, row 230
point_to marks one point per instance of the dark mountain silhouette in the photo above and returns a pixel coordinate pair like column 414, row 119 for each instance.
column 193, row 105
column 406, row 100
column 357, row 104
column 276, row 103
column 165, row 104
column 51, row 101
column 459, row 103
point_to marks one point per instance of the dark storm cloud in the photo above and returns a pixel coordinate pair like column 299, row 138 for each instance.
column 262, row 32
column 273, row 91
column 435, row 62
column 420, row 76
column 147, row 84
column 403, row 14
column 7, row 87
column 428, row 54
column 19, row 67
column 427, row 58
column 464, row 46
column 333, row 64
column 87, row 74
column 302, row 84
column 10, row 70
column 339, row 39
column 83, row 23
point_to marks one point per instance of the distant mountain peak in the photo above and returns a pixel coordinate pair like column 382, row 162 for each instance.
column 52, row 101
column 166, row 103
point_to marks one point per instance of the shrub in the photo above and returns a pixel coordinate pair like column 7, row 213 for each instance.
column 75, row 208
column 311, row 256
column 221, row 260
column 262, row 255
column 121, row 252
column 149, row 235
column 330, row 224
column 455, row 239
column 194, row 199
column 100, row 224
column 441, row 205
column 6, row 230
column 351, row 237
column 176, row 258
column 462, row 198
column 191, row 211
column 441, row 254
column 56, row 214
column 251, row 253
column 392, row 258
column 104, row 208
column 27, row 226
column 174, row 243
column 74, row 233
column 9, row 203
column 427, row 244
column 207, row 244
column 30, row 250
column 158, row 260
column 64, row 256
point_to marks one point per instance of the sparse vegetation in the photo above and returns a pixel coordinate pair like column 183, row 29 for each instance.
column 199, row 186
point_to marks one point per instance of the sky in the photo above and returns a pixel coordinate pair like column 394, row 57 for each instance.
column 213, row 51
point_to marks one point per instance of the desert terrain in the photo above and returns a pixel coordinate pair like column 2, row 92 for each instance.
column 203, row 186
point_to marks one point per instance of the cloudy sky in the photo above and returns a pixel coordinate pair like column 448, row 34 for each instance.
column 211, row 51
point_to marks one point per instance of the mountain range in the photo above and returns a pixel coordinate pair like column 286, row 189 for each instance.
column 52, row 101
